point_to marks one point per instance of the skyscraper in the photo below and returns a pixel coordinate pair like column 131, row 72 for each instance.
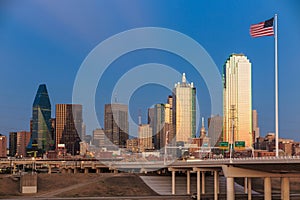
column 255, row 127
column 158, row 125
column 215, row 125
column 145, row 137
column 116, row 124
column 68, row 126
column 18, row 142
column 237, row 100
column 184, row 110
column 41, row 138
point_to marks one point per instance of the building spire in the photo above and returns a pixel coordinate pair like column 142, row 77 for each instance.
column 183, row 78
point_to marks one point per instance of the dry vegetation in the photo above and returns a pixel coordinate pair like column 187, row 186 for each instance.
column 79, row 185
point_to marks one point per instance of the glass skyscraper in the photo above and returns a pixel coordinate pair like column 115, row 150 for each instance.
column 116, row 124
column 237, row 100
column 68, row 126
column 41, row 138
column 184, row 110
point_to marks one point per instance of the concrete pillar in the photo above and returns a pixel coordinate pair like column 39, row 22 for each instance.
column 98, row 170
column 115, row 171
column 173, row 182
column 75, row 170
column 285, row 188
column 203, row 182
column 267, row 188
column 198, row 186
column 49, row 169
column 249, row 188
column 230, row 188
column 70, row 171
column 245, row 185
column 188, row 182
column 86, row 170
column 216, row 184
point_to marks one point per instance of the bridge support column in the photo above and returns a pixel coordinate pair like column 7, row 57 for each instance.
column 49, row 169
column 198, row 186
column 216, row 185
column 267, row 188
column 245, row 185
column 285, row 188
column 188, row 182
column 203, row 182
column 86, row 170
column 249, row 188
column 75, row 170
column 98, row 170
column 173, row 182
column 70, row 171
column 230, row 188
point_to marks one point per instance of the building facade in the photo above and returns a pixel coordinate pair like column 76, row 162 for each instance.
column 68, row 127
column 255, row 127
column 116, row 124
column 3, row 146
column 184, row 110
column 145, row 137
column 41, row 137
column 215, row 126
column 237, row 100
column 99, row 138
column 18, row 142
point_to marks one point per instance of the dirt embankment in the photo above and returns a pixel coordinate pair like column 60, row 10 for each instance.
column 79, row 185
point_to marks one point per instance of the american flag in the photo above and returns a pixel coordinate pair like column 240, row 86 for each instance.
column 262, row 29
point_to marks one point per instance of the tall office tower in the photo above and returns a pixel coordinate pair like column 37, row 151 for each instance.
column 116, row 124
column 68, row 127
column 150, row 116
column 3, row 146
column 237, row 100
column 12, row 143
column 215, row 126
column 41, row 139
column 169, row 127
column 255, row 127
column 22, row 139
column 184, row 110
column 158, row 124
column 145, row 137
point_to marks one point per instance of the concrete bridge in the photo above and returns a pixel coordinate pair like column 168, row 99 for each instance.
column 247, row 168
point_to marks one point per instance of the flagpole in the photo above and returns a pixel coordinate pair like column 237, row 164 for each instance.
column 276, row 87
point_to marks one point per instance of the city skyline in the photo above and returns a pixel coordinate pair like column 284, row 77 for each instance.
column 41, row 53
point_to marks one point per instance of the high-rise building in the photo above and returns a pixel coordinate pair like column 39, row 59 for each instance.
column 13, row 143
column 237, row 100
column 184, row 110
column 68, row 127
column 3, row 146
column 18, row 142
column 41, row 138
column 215, row 126
column 158, row 124
column 99, row 138
column 145, row 137
column 116, row 124
column 255, row 127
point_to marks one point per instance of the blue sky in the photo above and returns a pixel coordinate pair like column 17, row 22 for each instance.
column 47, row 41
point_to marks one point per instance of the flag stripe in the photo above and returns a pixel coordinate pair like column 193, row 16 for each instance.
column 262, row 29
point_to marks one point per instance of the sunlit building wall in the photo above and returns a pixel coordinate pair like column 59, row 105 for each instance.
column 184, row 110
column 237, row 97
